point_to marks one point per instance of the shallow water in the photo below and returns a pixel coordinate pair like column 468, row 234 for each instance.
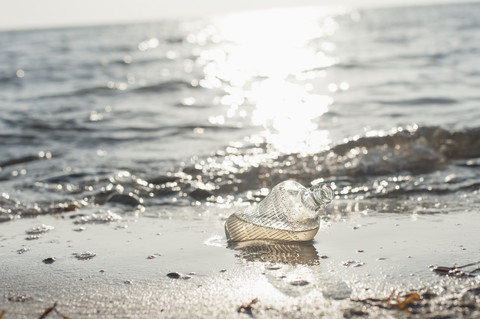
column 381, row 103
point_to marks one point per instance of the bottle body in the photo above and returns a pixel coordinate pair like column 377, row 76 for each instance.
column 289, row 213
column 241, row 230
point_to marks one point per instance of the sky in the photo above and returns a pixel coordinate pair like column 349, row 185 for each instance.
column 20, row 14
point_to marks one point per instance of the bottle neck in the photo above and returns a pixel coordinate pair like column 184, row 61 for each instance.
column 317, row 197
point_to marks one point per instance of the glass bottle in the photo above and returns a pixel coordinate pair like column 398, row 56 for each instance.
column 291, row 212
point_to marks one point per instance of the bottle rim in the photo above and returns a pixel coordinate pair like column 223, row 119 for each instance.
column 322, row 194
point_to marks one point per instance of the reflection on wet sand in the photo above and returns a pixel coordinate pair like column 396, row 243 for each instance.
column 293, row 268
column 295, row 253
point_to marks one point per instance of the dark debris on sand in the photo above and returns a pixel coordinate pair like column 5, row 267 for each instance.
column 49, row 260
column 422, row 304
column 51, row 309
column 177, row 275
column 45, row 313
column 457, row 271
column 247, row 309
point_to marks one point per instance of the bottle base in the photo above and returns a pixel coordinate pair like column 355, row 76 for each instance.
column 237, row 229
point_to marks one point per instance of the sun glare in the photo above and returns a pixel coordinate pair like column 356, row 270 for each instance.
column 265, row 62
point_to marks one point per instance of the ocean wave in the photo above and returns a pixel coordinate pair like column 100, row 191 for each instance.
column 105, row 90
column 357, row 164
column 421, row 101
column 448, row 144
column 101, row 90
column 113, row 89
column 167, row 86
column 18, row 160
column 6, row 79
column 415, row 162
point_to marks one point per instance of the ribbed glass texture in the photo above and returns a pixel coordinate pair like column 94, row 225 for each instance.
column 289, row 213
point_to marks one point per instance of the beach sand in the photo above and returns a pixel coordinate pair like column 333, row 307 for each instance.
column 349, row 271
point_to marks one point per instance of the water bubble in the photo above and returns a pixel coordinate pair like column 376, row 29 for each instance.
column 332, row 87
column 148, row 44
column 344, row 86
column 94, row 116
column 171, row 55
column 188, row 101
column 127, row 59
column 98, row 218
column 20, row 73
column 42, row 229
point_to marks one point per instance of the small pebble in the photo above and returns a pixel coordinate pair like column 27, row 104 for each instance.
column 71, row 207
column 18, row 299
column 32, row 237
column 299, row 283
column 273, row 267
column 353, row 263
column 85, row 255
column 174, row 275
column 49, row 260
column 22, row 250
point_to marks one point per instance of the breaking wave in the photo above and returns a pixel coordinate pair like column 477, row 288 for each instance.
column 403, row 162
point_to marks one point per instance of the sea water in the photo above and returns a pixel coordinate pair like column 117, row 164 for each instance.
column 380, row 103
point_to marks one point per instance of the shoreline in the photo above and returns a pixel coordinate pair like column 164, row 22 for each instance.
column 352, row 262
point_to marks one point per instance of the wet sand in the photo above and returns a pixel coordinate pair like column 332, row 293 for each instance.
column 350, row 269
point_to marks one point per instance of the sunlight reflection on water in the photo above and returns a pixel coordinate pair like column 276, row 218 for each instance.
column 265, row 60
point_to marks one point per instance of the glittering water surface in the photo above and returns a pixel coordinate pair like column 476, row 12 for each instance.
column 381, row 103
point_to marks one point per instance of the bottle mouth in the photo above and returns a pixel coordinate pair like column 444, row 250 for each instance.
column 322, row 194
